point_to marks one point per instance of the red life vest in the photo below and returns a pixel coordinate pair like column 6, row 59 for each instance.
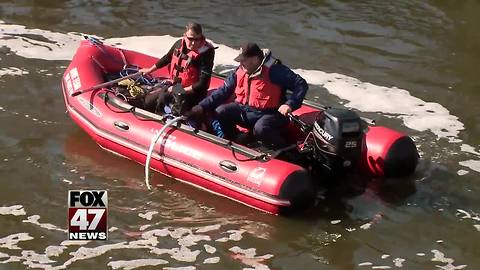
column 257, row 90
column 181, row 68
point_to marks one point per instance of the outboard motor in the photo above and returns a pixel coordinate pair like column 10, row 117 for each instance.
column 338, row 139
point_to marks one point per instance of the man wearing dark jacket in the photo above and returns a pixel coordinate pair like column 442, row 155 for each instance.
column 259, row 83
column 191, row 63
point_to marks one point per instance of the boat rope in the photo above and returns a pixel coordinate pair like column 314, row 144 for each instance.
column 152, row 145
column 281, row 150
column 124, row 59
column 259, row 157
column 98, row 64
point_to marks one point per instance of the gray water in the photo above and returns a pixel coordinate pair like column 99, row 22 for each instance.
column 431, row 221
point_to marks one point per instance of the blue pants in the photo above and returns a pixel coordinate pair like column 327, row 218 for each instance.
column 267, row 125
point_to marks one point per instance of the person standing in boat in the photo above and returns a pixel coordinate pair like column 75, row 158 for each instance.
column 191, row 63
column 260, row 85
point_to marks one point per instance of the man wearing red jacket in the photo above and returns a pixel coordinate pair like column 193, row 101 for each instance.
column 261, row 103
column 191, row 63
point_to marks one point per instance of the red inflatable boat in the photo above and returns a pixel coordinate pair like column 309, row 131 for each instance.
column 328, row 137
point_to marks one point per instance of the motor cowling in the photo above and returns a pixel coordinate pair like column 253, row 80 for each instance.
column 339, row 138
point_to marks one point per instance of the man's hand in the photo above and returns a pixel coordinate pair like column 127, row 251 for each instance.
column 188, row 89
column 170, row 89
column 284, row 109
column 146, row 71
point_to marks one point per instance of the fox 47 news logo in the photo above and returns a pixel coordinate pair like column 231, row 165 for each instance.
column 87, row 215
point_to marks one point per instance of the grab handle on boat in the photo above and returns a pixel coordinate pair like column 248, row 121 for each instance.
column 121, row 125
column 152, row 144
column 228, row 166
column 105, row 84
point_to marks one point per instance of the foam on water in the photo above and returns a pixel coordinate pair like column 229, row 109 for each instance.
column 67, row 181
column 60, row 46
column 144, row 227
column 415, row 113
column 32, row 259
column 398, row 262
column 12, row 71
column 54, row 251
column 465, row 213
column 469, row 149
column 366, row 226
column 11, row 241
column 132, row 264
column 335, row 221
column 438, row 256
column 191, row 240
column 472, row 164
column 248, row 257
column 74, row 243
column 16, row 210
column 208, row 228
column 35, row 220
column 209, row 249
column 475, row 217
column 148, row 215
column 184, row 254
column 211, row 260
column 150, row 241
column 259, row 229
column 235, row 235
column 189, row 250
column 84, row 253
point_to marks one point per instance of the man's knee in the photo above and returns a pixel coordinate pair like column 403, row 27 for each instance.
column 261, row 130
column 226, row 109
column 270, row 130
column 220, row 110
column 269, row 124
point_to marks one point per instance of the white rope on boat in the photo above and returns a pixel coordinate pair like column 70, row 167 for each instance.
column 152, row 145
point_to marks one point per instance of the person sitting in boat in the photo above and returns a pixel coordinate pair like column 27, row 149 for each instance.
column 191, row 63
column 261, row 104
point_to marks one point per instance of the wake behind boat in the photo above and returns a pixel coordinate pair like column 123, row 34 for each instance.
column 324, row 139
